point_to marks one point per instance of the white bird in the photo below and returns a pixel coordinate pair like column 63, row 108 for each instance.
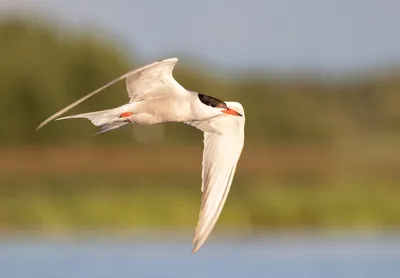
column 156, row 97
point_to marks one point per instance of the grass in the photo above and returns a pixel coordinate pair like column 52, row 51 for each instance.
column 60, row 189
column 109, row 201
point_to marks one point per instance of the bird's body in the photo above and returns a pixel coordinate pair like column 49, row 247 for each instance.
column 156, row 97
column 167, row 109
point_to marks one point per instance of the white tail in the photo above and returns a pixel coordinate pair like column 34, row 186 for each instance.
column 104, row 119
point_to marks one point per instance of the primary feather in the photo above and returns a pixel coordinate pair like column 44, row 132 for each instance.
column 220, row 157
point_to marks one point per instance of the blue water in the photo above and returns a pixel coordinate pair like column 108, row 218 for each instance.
column 268, row 256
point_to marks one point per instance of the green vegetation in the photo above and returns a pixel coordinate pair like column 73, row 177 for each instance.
column 152, row 201
column 43, row 69
column 338, row 137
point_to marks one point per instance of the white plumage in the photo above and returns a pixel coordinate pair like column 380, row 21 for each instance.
column 220, row 157
column 156, row 97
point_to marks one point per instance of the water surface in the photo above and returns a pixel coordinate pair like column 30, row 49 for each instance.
column 268, row 256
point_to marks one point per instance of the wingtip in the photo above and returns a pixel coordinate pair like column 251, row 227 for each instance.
column 172, row 59
column 39, row 127
column 45, row 123
column 195, row 249
column 196, row 245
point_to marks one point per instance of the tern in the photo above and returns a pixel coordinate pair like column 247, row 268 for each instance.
column 156, row 97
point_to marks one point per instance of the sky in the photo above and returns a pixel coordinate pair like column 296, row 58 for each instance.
column 282, row 35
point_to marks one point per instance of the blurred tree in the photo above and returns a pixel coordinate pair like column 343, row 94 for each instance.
column 44, row 69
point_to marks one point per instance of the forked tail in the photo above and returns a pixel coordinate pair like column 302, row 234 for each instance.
column 104, row 119
column 111, row 126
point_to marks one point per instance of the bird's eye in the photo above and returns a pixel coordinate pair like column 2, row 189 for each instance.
column 222, row 105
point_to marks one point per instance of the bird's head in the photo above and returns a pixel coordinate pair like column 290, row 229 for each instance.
column 218, row 106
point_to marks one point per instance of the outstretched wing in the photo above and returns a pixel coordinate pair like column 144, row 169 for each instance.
column 155, row 81
column 220, row 156
column 146, row 82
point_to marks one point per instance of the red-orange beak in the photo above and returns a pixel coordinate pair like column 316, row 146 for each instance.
column 231, row 112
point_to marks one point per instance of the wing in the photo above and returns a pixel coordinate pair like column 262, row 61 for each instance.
column 204, row 126
column 220, row 157
column 154, row 82
column 141, row 83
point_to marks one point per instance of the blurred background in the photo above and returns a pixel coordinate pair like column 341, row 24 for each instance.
column 316, row 193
